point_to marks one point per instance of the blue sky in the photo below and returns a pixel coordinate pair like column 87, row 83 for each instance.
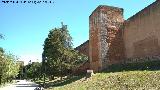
column 26, row 26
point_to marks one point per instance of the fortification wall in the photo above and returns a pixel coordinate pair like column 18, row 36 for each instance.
column 142, row 32
column 94, row 40
column 111, row 48
column 105, row 40
column 84, row 48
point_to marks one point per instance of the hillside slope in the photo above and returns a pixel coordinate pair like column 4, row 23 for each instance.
column 132, row 80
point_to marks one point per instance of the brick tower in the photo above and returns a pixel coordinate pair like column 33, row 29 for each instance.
column 105, row 37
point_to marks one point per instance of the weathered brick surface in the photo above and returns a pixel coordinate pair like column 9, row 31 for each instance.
column 84, row 48
column 93, row 41
column 116, row 48
column 113, row 40
column 142, row 32
column 105, row 40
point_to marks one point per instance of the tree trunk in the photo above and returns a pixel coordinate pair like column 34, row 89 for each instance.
column 52, row 77
column 0, row 79
column 61, row 72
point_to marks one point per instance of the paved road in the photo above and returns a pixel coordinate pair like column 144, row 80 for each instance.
column 22, row 85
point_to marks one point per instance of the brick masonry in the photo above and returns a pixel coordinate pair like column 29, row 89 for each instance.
column 142, row 32
column 113, row 40
column 106, row 44
column 84, row 48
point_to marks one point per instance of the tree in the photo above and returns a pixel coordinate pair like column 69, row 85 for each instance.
column 8, row 67
column 2, row 64
column 59, row 57
column 33, row 70
column 1, row 36
column 56, row 48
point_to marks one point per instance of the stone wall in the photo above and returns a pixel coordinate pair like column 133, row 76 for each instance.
column 142, row 32
column 106, row 43
column 110, row 35
column 82, row 68
column 113, row 40
column 84, row 48
column 94, row 40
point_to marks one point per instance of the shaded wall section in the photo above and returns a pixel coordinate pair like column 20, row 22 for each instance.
column 111, row 26
column 84, row 48
column 142, row 32
column 94, row 40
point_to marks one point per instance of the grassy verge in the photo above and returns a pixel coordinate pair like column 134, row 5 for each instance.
column 127, row 80
column 7, row 83
column 57, row 82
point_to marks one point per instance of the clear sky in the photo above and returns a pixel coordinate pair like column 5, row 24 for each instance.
column 26, row 26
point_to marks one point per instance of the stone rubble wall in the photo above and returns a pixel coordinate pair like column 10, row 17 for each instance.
column 113, row 40
column 105, row 31
column 111, row 20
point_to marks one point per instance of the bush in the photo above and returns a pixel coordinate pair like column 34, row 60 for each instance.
column 8, row 67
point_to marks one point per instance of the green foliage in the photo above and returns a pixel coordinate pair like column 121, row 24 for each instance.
column 58, row 57
column 1, row 36
column 8, row 67
column 33, row 70
column 81, row 58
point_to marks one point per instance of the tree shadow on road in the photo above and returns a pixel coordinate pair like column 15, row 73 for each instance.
column 26, row 85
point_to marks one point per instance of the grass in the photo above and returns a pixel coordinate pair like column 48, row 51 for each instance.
column 58, row 82
column 7, row 83
column 126, row 80
column 126, row 76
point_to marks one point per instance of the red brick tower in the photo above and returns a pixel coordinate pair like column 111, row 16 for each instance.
column 105, row 37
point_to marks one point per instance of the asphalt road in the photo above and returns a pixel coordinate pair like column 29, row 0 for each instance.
column 22, row 85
